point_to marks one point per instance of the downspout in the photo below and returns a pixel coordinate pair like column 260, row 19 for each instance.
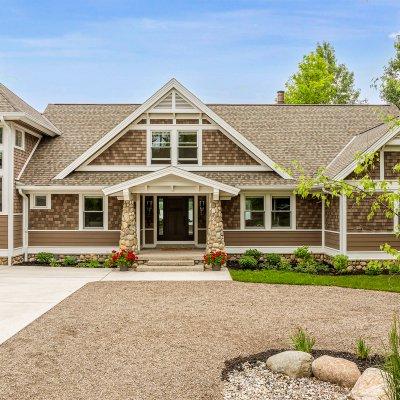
column 25, row 205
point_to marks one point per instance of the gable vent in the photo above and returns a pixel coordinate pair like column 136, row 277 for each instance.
column 165, row 103
column 181, row 103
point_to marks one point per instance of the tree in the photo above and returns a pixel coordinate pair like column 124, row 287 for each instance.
column 389, row 82
column 321, row 80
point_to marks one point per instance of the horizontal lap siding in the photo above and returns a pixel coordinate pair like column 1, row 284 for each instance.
column 3, row 231
column 268, row 238
column 18, row 231
column 73, row 238
column 370, row 241
column 332, row 240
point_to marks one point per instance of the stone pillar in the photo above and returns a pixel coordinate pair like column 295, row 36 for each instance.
column 215, row 229
column 128, row 236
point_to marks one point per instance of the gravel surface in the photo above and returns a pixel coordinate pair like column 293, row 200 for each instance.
column 170, row 340
column 258, row 383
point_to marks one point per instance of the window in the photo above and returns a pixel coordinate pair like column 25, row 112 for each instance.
column 93, row 212
column 187, row 148
column 40, row 201
column 1, row 148
column 254, row 212
column 19, row 139
column 280, row 212
column 1, row 135
column 161, row 147
column 1, row 194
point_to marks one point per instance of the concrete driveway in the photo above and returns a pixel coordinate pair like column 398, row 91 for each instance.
column 28, row 292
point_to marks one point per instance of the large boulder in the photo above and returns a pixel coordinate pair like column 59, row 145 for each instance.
column 296, row 364
column 371, row 385
column 336, row 370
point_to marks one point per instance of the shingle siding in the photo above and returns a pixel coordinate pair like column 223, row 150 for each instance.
column 231, row 213
column 332, row 215
column 308, row 213
column 391, row 158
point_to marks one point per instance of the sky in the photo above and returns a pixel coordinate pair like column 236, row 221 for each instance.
column 224, row 51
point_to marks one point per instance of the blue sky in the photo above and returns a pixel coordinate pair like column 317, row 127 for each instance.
column 223, row 50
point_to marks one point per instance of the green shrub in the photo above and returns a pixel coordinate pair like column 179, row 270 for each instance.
column 393, row 267
column 340, row 262
column 93, row 264
column 392, row 362
column 253, row 253
column 362, row 350
column 54, row 262
column 310, row 266
column 248, row 262
column 272, row 259
column 285, row 265
column 303, row 253
column 70, row 260
column 302, row 341
column 374, row 267
column 44, row 258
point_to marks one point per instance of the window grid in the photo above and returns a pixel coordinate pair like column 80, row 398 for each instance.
column 93, row 218
column 251, row 211
column 275, row 211
column 187, row 144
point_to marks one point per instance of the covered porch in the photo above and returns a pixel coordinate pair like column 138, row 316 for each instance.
column 172, row 208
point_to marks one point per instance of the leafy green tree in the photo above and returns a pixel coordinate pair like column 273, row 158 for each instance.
column 321, row 80
column 389, row 82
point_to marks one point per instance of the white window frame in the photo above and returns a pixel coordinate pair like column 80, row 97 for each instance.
column 82, row 211
column 33, row 205
column 22, row 147
column 290, row 211
column 193, row 132
column 249, row 196
column 167, row 161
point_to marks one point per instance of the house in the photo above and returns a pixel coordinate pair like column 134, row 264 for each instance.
column 82, row 178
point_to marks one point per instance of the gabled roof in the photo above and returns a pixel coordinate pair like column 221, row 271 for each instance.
column 13, row 108
column 172, row 84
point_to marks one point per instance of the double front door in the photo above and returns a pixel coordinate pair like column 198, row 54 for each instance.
column 175, row 218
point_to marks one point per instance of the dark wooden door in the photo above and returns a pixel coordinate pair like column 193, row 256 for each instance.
column 175, row 217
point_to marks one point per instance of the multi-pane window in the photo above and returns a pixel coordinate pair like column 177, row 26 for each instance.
column 280, row 212
column 1, row 148
column 254, row 214
column 40, row 201
column 93, row 212
column 19, row 139
column 161, row 147
column 187, row 147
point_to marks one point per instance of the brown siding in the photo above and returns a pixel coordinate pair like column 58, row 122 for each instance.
column 357, row 218
column 308, row 213
column 64, row 214
column 332, row 240
column 18, row 229
column 391, row 158
column 219, row 149
column 130, row 149
column 231, row 213
column 77, row 238
column 332, row 215
column 370, row 242
column 373, row 172
column 3, row 231
column 271, row 238
column 114, row 213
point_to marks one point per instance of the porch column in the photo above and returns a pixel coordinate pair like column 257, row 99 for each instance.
column 128, row 236
column 215, row 229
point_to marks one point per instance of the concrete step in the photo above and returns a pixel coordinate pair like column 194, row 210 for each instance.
column 179, row 262
column 169, row 268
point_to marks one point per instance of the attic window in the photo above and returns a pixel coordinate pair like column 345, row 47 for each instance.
column 41, row 201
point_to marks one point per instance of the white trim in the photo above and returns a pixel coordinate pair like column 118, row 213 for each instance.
column 322, row 222
column 33, row 205
column 81, row 212
column 381, row 165
column 72, row 249
column 62, row 189
column 341, row 151
column 172, row 84
column 343, row 224
column 170, row 171
column 28, row 159
column 29, row 120
column 22, row 147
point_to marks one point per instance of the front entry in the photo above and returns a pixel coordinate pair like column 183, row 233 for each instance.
column 175, row 218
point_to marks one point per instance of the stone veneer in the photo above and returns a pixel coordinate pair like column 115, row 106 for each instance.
column 114, row 213
column 128, row 237
column 215, row 230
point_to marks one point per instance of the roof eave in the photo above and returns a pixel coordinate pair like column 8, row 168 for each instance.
column 29, row 120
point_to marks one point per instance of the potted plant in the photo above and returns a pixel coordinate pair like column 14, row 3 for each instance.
column 216, row 259
column 124, row 259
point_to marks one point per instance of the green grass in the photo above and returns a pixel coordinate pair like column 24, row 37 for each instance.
column 388, row 283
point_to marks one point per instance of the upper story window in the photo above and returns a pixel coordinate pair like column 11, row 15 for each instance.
column 187, row 148
column 161, row 147
column 280, row 212
column 19, row 139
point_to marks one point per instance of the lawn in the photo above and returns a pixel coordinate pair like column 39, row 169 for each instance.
column 388, row 283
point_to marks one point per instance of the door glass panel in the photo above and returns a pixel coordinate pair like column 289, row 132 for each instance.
column 190, row 216
column 160, row 216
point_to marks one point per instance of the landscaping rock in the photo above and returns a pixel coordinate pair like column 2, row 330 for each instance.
column 296, row 364
column 371, row 385
column 336, row 370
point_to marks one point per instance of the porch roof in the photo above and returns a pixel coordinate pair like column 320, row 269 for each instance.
column 161, row 178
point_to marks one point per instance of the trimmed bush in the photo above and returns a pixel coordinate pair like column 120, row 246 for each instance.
column 285, row 265
column 44, row 258
column 393, row 267
column 248, row 262
column 272, row 259
column 253, row 253
column 340, row 262
column 303, row 253
column 374, row 267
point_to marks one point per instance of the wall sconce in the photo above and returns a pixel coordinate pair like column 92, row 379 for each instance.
column 202, row 207
column 149, row 206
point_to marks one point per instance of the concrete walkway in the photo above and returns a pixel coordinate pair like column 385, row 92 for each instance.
column 28, row 292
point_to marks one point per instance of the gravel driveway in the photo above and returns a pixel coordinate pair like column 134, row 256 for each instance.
column 169, row 340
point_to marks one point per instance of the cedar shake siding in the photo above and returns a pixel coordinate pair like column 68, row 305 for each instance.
column 76, row 239
column 370, row 242
column 332, row 215
column 63, row 215
column 332, row 240
column 391, row 158
column 357, row 220
column 231, row 213
column 114, row 213
column 373, row 171
column 218, row 149
column 18, row 231
column 3, row 231
column 308, row 213
column 272, row 238
column 130, row 149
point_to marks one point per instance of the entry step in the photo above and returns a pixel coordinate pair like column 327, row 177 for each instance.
column 169, row 268
column 169, row 262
